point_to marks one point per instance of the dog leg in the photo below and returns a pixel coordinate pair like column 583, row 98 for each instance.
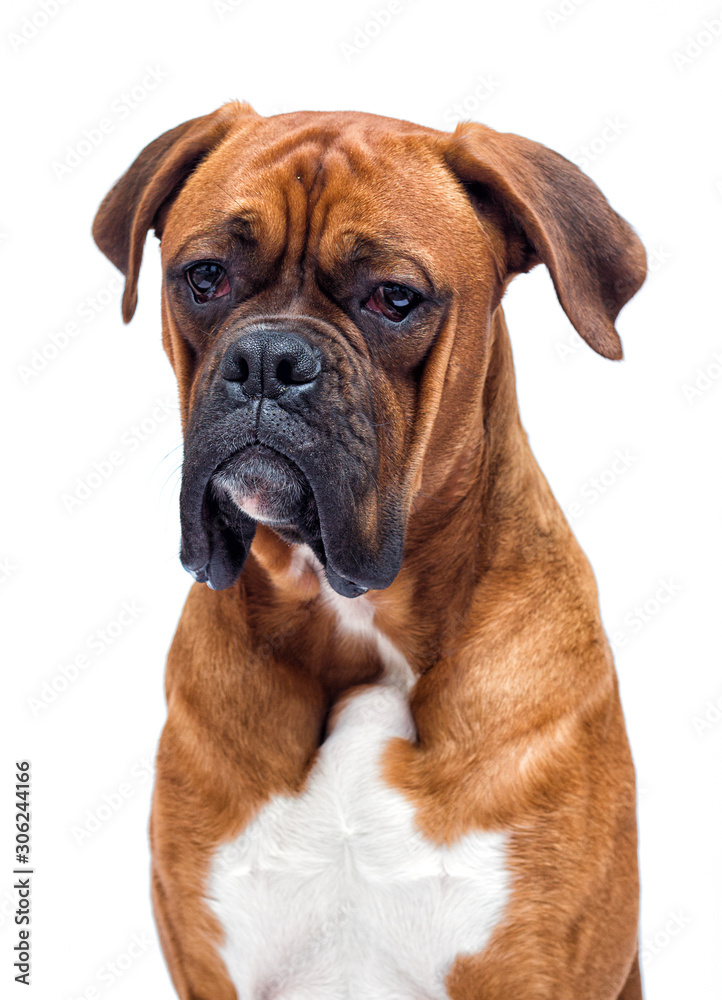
column 632, row 989
column 241, row 727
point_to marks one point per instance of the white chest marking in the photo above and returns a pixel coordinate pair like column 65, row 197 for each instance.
column 334, row 894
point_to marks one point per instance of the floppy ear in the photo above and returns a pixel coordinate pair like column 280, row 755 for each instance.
column 133, row 205
column 596, row 260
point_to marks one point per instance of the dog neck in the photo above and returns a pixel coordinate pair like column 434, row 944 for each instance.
column 494, row 500
column 492, row 517
column 484, row 512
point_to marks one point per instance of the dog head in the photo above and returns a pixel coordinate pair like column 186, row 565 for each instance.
column 320, row 272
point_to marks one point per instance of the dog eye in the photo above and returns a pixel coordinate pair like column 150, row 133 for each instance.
column 208, row 280
column 395, row 302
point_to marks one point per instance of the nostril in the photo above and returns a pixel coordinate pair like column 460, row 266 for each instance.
column 235, row 368
column 297, row 369
column 284, row 372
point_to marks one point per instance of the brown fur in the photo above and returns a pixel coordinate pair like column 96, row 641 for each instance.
column 495, row 607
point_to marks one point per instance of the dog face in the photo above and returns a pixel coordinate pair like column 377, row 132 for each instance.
column 324, row 276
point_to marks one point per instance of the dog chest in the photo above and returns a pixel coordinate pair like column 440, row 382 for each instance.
column 334, row 893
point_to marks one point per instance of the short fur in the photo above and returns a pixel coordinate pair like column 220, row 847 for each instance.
column 426, row 495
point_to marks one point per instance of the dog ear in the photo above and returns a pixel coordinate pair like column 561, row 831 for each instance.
column 135, row 203
column 559, row 217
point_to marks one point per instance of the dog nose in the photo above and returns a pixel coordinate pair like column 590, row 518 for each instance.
column 267, row 364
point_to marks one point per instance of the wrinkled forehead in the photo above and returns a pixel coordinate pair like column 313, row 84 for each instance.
column 341, row 184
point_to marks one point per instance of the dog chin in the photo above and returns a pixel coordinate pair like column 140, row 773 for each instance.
column 268, row 488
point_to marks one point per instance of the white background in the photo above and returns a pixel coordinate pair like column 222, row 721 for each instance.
column 559, row 78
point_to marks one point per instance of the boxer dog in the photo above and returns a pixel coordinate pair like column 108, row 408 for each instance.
column 395, row 764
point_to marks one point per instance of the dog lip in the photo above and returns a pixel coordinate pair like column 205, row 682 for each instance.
column 343, row 585
column 218, row 533
column 253, row 449
column 199, row 573
column 266, row 485
column 257, row 468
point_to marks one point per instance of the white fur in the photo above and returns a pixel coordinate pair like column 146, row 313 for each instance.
column 334, row 894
